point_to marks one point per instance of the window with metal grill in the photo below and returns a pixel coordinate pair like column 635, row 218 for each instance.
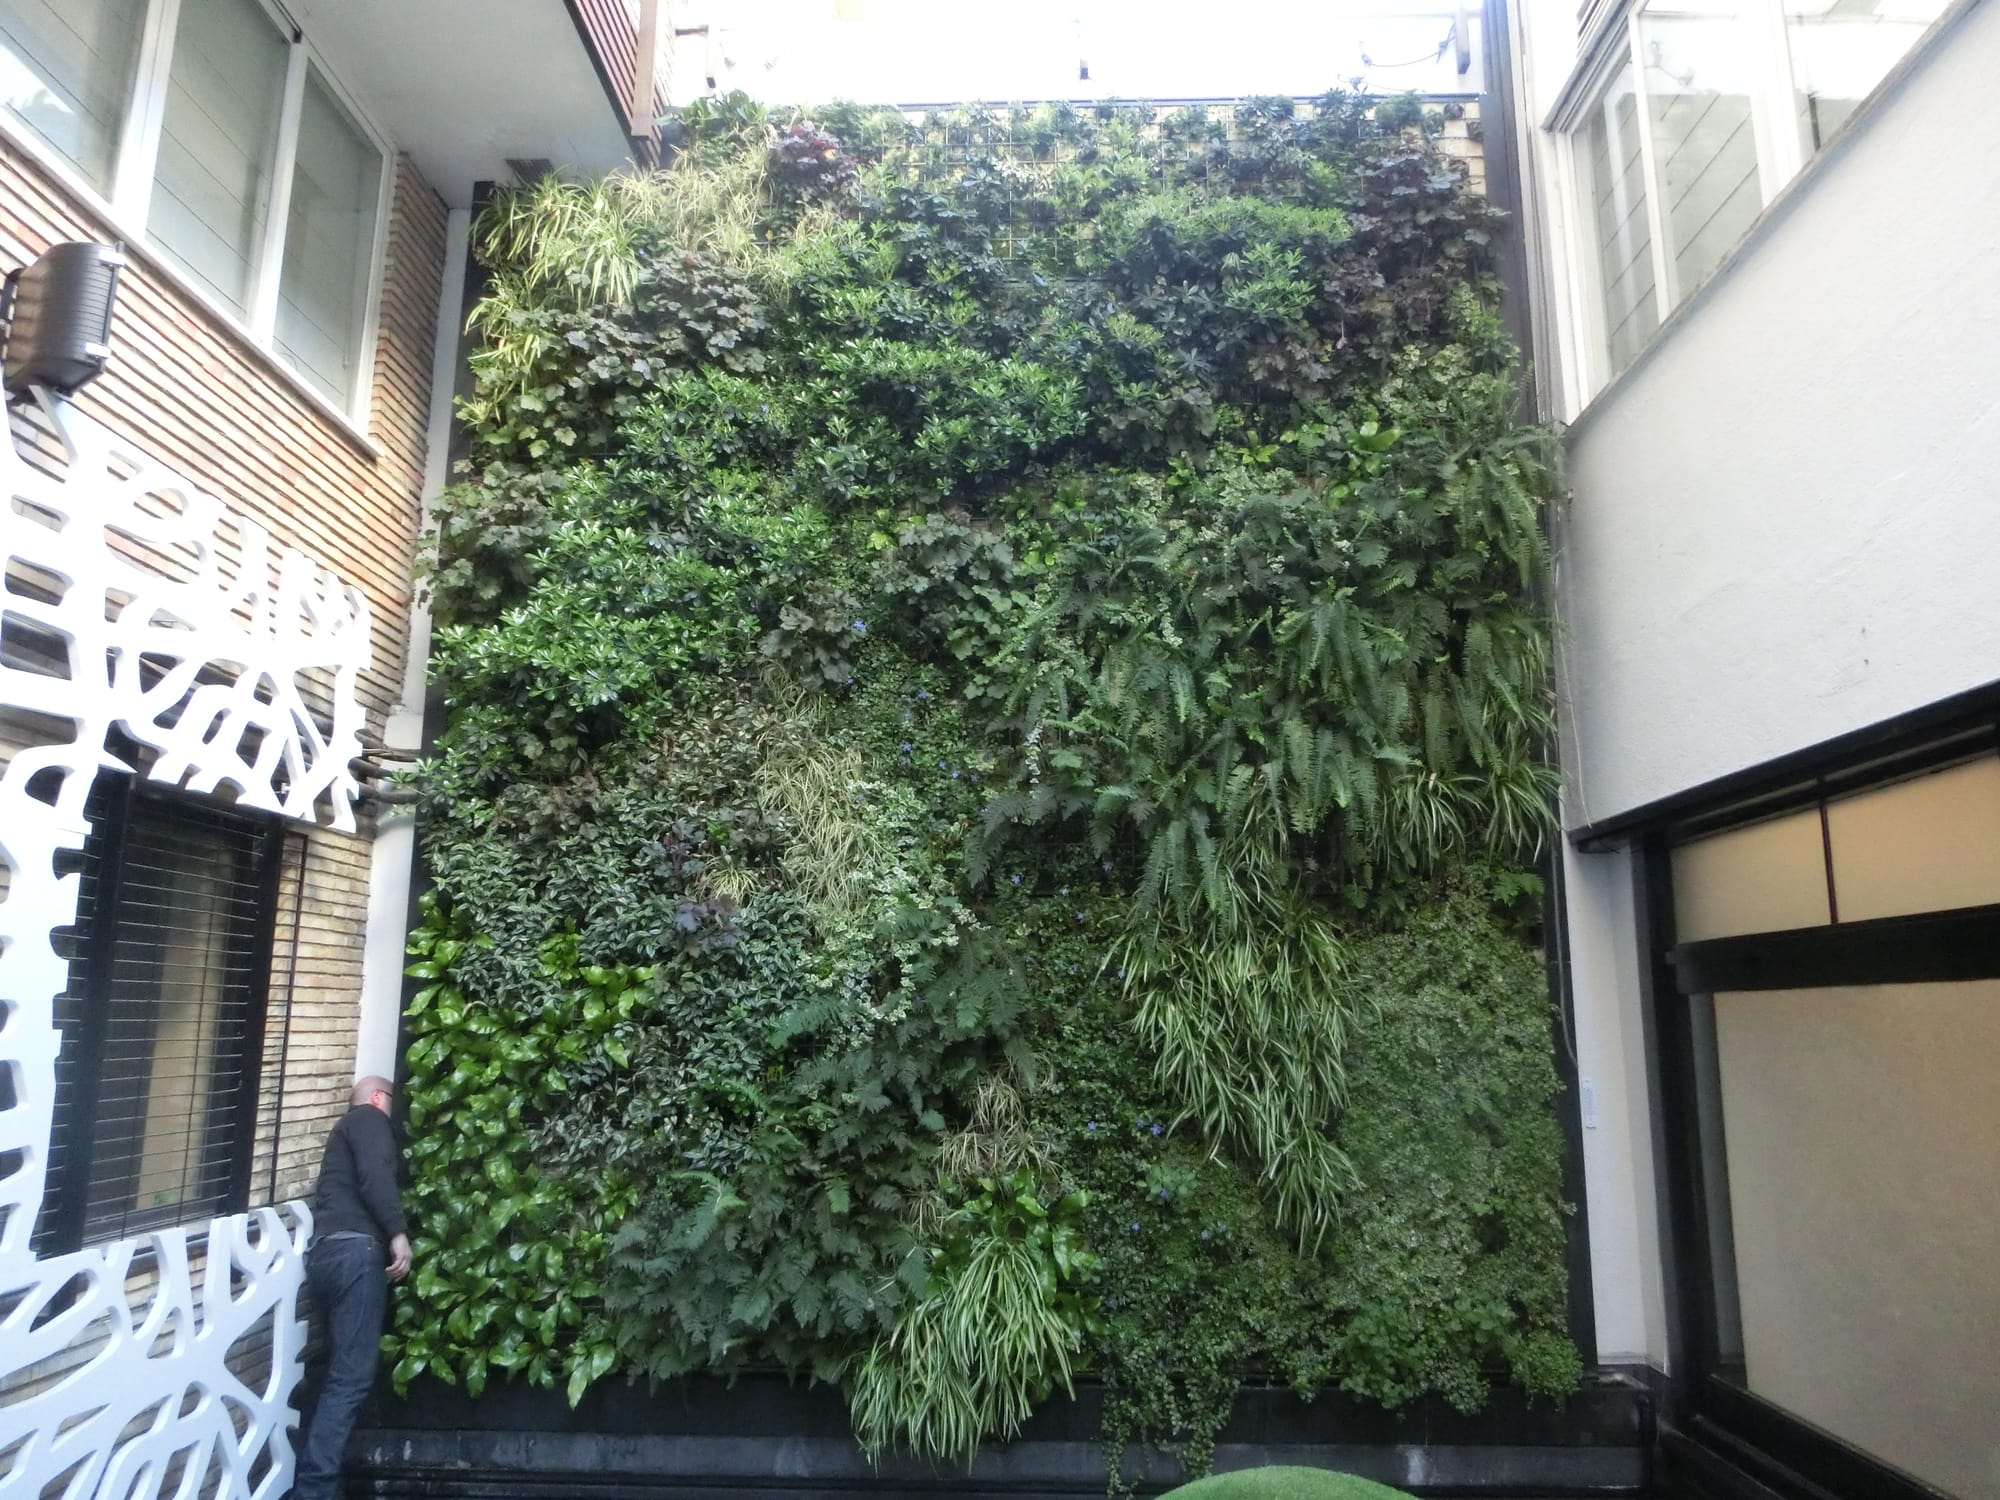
column 162, row 1024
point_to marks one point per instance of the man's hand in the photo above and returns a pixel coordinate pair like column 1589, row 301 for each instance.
column 399, row 1257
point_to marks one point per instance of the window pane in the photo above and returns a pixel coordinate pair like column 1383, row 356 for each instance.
column 1841, row 49
column 1615, row 178
column 1698, row 93
column 329, row 244
column 1769, row 877
column 1928, row 844
column 66, row 69
column 158, row 1018
column 212, row 190
column 1861, row 1127
column 177, row 1020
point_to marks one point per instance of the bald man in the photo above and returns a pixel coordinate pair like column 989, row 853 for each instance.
column 360, row 1244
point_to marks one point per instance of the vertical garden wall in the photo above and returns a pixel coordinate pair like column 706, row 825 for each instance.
column 985, row 821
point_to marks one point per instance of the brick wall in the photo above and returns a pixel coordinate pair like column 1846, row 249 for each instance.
column 190, row 389
column 1464, row 140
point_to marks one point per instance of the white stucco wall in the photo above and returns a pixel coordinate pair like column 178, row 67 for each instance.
column 1786, row 518
column 1628, row 1304
column 1620, row 1191
column 1785, row 525
column 383, row 954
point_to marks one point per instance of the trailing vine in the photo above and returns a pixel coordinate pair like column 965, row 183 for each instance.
column 994, row 689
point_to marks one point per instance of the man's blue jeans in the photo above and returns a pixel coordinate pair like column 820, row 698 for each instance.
column 350, row 1287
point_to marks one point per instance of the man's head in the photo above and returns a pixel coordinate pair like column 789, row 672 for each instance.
column 373, row 1089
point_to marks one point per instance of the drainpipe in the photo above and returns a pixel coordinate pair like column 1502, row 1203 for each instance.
column 1509, row 163
column 395, row 849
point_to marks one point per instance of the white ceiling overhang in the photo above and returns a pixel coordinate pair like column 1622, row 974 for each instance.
column 464, row 86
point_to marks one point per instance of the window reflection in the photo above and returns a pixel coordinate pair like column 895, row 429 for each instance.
column 66, row 68
column 1841, row 50
column 1706, row 110
column 1700, row 79
column 1619, row 221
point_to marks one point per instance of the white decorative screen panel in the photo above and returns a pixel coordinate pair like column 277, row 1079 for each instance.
column 138, row 610
column 149, row 1392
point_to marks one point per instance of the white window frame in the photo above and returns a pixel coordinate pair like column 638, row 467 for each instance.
column 1760, row 25
column 125, row 205
column 1615, row 42
column 1615, row 50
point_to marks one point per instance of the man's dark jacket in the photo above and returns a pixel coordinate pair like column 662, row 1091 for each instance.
column 358, row 1177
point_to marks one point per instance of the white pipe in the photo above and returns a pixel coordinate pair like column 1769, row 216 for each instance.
column 395, row 849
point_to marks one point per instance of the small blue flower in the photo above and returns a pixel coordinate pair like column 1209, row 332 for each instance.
column 1135, row 1227
column 1065, row 890
column 1156, row 1131
column 1107, row 867
column 940, row 765
column 922, row 696
column 1079, row 916
column 1016, row 879
column 1204, row 1234
column 954, row 775
column 1090, row 1125
column 906, row 747
column 975, row 775
column 861, row 627
column 1163, row 1195
column 1121, row 973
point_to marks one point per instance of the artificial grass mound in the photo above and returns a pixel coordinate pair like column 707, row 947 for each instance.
column 1284, row 1483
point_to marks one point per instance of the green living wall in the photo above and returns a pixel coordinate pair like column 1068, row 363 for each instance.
column 985, row 822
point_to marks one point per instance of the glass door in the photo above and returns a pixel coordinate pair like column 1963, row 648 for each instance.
column 1832, row 1079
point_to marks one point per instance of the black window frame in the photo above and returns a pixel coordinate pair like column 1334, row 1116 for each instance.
column 233, row 1101
column 1717, row 1429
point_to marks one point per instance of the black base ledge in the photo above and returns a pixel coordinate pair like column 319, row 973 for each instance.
column 764, row 1437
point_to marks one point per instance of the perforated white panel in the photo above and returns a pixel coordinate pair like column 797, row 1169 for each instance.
column 177, row 623
column 155, row 1407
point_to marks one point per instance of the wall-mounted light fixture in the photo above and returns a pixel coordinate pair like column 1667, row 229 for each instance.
column 57, row 313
